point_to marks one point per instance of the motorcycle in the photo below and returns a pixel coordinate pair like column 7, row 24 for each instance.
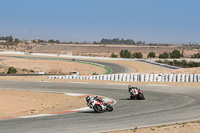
column 100, row 106
column 94, row 73
column 138, row 95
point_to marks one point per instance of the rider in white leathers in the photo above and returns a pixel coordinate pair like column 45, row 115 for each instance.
column 135, row 89
column 91, row 99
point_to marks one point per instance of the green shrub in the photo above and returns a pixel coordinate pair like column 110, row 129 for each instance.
column 164, row 55
column 113, row 55
column 182, row 63
column 196, row 55
column 32, row 71
column 176, row 54
column 137, row 55
column 125, row 54
column 151, row 55
column 12, row 70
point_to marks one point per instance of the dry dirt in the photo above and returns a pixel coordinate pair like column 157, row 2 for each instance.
column 22, row 103
column 50, row 66
column 107, row 50
column 191, row 127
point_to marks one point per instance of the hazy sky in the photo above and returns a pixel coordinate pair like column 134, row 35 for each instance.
column 161, row 21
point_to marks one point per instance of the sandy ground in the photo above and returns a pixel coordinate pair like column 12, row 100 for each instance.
column 50, row 66
column 191, row 127
column 22, row 103
column 107, row 50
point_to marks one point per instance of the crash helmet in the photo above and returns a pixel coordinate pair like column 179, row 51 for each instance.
column 130, row 86
column 88, row 98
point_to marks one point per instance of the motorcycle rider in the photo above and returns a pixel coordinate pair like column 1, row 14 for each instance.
column 95, row 73
column 90, row 100
column 134, row 90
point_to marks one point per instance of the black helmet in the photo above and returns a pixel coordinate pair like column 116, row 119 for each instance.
column 88, row 98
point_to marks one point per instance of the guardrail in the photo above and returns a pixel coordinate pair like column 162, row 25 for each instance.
column 137, row 77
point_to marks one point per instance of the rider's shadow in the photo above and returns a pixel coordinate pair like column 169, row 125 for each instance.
column 89, row 112
column 125, row 99
column 128, row 99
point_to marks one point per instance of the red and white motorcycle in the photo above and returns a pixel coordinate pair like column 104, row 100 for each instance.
column 98, row 104
column 136, row 93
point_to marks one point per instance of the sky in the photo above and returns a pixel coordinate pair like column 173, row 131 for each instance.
column 152, row 21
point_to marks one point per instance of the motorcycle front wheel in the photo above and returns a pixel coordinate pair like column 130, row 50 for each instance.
column 109, row 108
column 98, row 109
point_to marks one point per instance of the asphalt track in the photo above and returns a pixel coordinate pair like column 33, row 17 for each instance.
column 163, row 105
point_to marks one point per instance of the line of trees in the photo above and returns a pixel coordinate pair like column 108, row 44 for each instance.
column 196, row 55
column 173, row 54
column 182, row 63
column 127, row 54
column 119, row 41
column 9, row 40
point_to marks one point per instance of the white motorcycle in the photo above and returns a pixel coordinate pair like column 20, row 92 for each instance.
column 98, row 105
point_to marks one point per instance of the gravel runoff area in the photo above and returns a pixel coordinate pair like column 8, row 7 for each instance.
column 24, row 103
column 35, row 102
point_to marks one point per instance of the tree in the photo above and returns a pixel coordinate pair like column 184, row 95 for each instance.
column 117, row 41
column 176, row 54
column 151, row 55
column 137, row 55
column 113, row 55
column 164, row 55
column 125, row 54
column 121, row 53
column 34, row 41
column 196, row 55
column 12, row 70
column 16, row 40
column 51, row 41
column 57, row 41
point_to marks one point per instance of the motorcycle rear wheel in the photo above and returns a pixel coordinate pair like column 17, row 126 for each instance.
column 141, row 96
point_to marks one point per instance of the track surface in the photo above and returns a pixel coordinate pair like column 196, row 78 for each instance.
column 163, row 105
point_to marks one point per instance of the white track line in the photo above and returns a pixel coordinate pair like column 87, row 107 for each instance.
column 32, row 116
column 79, row 82
column 116, row 84
column 75, row 94
column 157, row 85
